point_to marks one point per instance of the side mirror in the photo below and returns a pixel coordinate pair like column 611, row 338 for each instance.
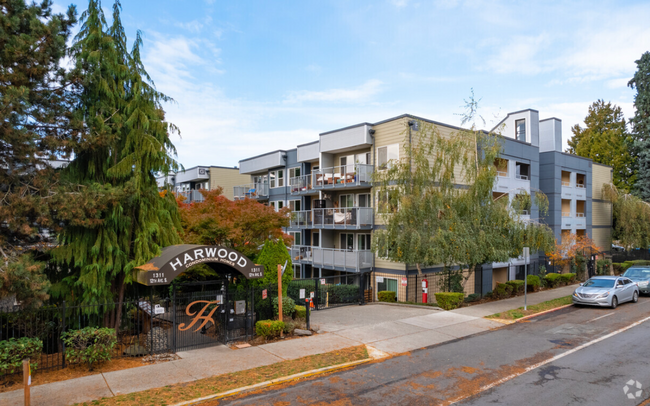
column 581, row 283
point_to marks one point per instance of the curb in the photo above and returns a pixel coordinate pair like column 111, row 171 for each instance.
column 272, row 382
column 405, row 305
column 544, row 312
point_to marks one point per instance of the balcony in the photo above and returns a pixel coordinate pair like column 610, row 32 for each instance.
column 301, row 219
column 301, row 185
column 341, row 177
column 332, row 258
column 252, row 191
column 192, row 196
column 349, row 218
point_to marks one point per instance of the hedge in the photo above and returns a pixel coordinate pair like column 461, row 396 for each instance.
column 13, row 351
column 449, row 300
column 533, row 283
column 517, row 286
column 502, row 291
column 472, row 298
column 90, row 344
column 568, row 278
column 386, row 296
column 301, row 312
column 269, row 328
column 552, row 280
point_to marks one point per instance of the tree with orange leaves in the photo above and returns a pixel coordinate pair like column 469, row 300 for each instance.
column 243, row 225
column 573, row 250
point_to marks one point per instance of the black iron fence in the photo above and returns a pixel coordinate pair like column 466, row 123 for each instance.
column 631, row 255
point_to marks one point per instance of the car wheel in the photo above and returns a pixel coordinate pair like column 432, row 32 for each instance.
column 635, row 297
column 614, row 302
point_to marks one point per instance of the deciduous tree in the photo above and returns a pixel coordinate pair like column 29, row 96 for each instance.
column 631, row 218
column 605, row 140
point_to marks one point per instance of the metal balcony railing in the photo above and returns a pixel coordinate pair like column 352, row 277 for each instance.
column 303, row 218
column 342, row 176
column 301, row 254
column 252, row 191
column 566, row 214
column 348, row 260
column 565, row 183
column 299, row 184
column 348, row 217
column 192, row 196
column 580, row 214
column 580, row 186
column 502, row 174
column 523, row 177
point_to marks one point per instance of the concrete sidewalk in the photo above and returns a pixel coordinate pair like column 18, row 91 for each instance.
column 391, row 329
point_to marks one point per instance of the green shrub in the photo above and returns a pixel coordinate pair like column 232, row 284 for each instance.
column 288, row 328
column 288, row 306
column 628, row 264
column 89, row 345
column 568, row 278
column 301, row 312
column 602, row 266
column 386, row 296
column 13, row 351
column 472, row 298
column 449, row 300
column 340, row 294
column 269, row 328
column 552, row 280
column 618, row 268
column 533, row 283
column 502, row 291
column 489, row 295
column 517, row 286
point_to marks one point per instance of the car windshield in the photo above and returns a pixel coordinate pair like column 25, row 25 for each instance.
column 599, row 283
column 637, row 273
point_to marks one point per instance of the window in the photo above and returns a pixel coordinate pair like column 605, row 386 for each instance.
column 347, row 241
column 294, row 172
column 520, row 130
column 363, row 242
column 277, row 204
column 296, row 272
column 295, row 205
column 296, row 237
column 522, row 171
column 385, row 203
column 387, row 154
column 277, row 178
column 363, row 200
column 346, row 201
column 314, row 239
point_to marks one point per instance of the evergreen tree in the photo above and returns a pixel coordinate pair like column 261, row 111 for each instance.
column 35, row 97
column 275, row 253
column 641, row 125
column 125, row 143
column 605, row 140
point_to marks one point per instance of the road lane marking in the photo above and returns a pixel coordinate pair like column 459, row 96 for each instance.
column 601, row 317
column 548, row 361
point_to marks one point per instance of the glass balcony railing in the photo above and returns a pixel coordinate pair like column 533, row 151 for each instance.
column 345, row 218
column 300, row 184
column 342, row 176
column 252, row 191
column 301, row 218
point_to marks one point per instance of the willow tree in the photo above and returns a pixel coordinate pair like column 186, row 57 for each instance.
column 438, row 207
column 125, row 143
column 631, row 218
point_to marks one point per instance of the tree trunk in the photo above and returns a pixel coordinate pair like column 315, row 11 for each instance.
column 419, row 269
column 120, row 299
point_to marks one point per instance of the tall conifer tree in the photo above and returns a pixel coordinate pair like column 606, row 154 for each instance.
column 125, row 143
column 641, row 125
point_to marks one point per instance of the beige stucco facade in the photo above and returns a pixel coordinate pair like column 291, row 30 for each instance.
column 227, row 178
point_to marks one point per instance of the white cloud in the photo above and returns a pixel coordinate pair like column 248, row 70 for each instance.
column 617, row 83
column 399, row 3
column 520, row 55
column 358, row 94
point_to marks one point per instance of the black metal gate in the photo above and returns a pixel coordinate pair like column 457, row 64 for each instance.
column 330, row 291
column 209, row 313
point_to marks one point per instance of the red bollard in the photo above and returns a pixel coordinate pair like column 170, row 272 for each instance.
column 425, row 291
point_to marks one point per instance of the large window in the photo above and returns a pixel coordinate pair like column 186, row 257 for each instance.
column 346, row 201
column 387, row 154
column 277, row 204
column 347, row 241
column 296, row 237
column 276, row 178
column 520, row 130
column 363, row 242
column 363, row 200
column 295, row 205
column 294, row 172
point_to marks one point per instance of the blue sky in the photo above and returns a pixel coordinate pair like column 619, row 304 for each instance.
column 254, row 76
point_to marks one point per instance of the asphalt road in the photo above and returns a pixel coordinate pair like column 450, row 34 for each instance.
column 472, row 370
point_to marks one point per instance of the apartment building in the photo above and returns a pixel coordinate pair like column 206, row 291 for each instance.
column 190, row 181
column 327, row 184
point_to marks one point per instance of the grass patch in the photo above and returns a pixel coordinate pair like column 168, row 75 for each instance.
column 203, row 387
column 515, row 314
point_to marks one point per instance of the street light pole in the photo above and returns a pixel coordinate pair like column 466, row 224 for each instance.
column 526, row 256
